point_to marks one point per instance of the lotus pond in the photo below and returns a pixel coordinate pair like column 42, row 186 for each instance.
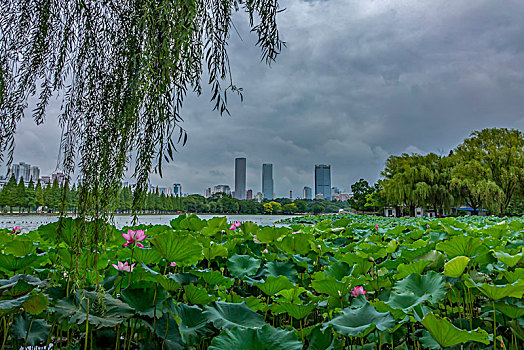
column 354, row 282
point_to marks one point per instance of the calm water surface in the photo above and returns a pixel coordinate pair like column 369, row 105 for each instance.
column 31, row 222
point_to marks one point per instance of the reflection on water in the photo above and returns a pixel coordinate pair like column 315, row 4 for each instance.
column 30, row 222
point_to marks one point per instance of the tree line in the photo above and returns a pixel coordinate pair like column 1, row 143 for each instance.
column 484, row 172
column 34, row 197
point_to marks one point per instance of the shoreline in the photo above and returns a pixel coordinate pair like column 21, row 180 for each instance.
column 159, row 214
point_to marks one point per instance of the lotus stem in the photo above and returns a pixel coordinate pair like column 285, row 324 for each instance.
column 494, row 326
column 87, row 324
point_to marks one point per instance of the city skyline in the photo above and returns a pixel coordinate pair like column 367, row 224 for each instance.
column 385, row 92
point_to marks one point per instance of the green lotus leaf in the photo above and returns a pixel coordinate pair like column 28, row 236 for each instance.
column 20, row 247
column 460, row 245
column 14, row 263
column 272, row 285
column 508, row 259
column 241, row 266
column 230, row 315
column 253, row 303
column 38, row 329
column 280, row 268
column 496, row 292
column 167, row 334
column 270, row 234
column 512, row 309
column 214, row 251
column 430, row 284
column 142, row 255
column 513, row 276
column 11, row 282
column 193, row 326
column 296, row 244
column 435, row 258
column 183, row 249
column 183, row 278
column 338, row 270
column 35, row 304
column 428, row 341
column 404, row 270
column 297, row 311
column 361, row 268
column 213, row 277
column 321, row 340
column 406, row 301
column 196, row 296
column 456, row 266
column 359, row 322
column 145, row 298
column 292, row 295
column 168, row 283
column 74, row 309
column 256, row 339
column 8, row 305
column 446, row 334
column 330, row 286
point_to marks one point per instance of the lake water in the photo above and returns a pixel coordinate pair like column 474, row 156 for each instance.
column 31, row 222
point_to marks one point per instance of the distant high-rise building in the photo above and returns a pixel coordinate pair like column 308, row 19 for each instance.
column 335, row 190
column 207, row 192
column 177, row 190
column 21, row 170
column 59, row 177
column 267, row 181
column 249, row 195
column 259, row 197
column 45, row 180
column 35, row 173
column 222, row 189
column 240, row 178
column 323, row 181
column 307, row 193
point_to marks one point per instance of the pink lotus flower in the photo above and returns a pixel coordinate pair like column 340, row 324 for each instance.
column 235, row 225
column 134, row 237
column 427, row 226
column 211, row 243
column 376, row 227
column 358, row 290
column 294, row 233
column 173, row 264
column 16, row 230
column 266, row 251
column 124, row 266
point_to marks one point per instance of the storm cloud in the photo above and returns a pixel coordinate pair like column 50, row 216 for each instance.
column 357, row 82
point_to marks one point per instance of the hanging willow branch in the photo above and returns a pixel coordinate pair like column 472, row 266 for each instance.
column 122, row 69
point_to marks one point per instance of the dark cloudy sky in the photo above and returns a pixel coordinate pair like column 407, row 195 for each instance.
column 358, row 81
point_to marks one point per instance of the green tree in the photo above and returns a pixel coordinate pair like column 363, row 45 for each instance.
column 39, row 199
column 301, row 206
column 317, row 209
column 31, row 195
column 289, row 208
column 20, row 198
column 497, row 158
column 10, row 190
column 360, row 190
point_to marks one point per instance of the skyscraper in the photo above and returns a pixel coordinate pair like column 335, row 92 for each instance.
column 323, row 181
column 177, row 190
column 240, row 178
column 267, row 181
column 307, row 193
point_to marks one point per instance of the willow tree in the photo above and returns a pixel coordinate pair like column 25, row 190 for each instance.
column 122, row 69
column 490, row 165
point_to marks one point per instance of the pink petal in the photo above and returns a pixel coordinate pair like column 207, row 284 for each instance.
column 126, row 244
column 115, row 266
column 172, row 263
column 140, row 245
column 132, row 267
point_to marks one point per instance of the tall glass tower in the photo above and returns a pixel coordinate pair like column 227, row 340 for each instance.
column 240, row 178
column 323, row 181
column 267, row 181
